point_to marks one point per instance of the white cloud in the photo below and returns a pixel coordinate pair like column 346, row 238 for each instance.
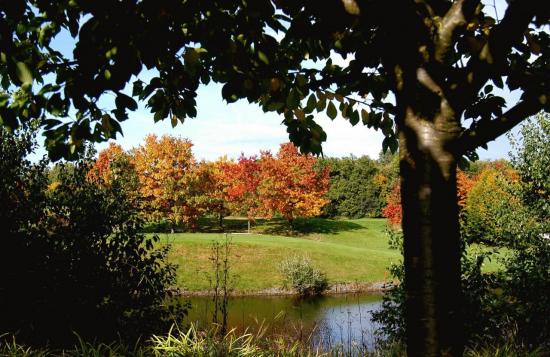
column 222, row 129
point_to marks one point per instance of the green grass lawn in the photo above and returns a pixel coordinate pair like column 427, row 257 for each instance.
column 347, row 250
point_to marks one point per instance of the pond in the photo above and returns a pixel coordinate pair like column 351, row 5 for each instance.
column 336, row 320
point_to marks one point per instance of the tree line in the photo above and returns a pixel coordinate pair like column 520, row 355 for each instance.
column 175, row 188
column 171, row 185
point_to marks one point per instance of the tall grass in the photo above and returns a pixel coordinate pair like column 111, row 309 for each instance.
column 208, row 343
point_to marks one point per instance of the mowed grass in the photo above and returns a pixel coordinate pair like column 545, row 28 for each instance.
column 346, row 250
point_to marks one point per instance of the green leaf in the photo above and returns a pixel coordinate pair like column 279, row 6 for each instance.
column 394, row 145
column 137, row 88
column 123, row 101
column 262, row 56
column 23, row 73
column 386, row 125
column 8, row 119
column 228, row 93
column 354, row 118
column 463, row 163
column 55, row 105
column 331, row 110
column 191, row 59
column 321, row 104
column 389, row 142
column 293, row 99
column 364, row 116
column 498, row 82
column 311, row 102
column 160, row 115
column 273, row 106
column 385, row 144
column 300, row 115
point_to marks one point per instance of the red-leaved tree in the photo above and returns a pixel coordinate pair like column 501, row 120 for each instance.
column 290, row 185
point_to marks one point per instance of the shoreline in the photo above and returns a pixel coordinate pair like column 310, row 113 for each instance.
column 334, row 289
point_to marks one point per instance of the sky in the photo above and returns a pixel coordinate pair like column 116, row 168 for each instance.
column 231, row 129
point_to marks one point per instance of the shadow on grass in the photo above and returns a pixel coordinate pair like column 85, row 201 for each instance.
column 278, row 226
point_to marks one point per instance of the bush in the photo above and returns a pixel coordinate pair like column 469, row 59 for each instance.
column 72, row 258
column 300, row 275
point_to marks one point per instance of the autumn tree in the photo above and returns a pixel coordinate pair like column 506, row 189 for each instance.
column 493, row 212
column 168, row 179
column 113, row 163
column 290, row 185
column 243, row 178
column 393, row 209
column 441, row 60
column 215, row 183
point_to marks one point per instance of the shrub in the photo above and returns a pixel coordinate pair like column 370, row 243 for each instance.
column 302, row 276
column 72, row 258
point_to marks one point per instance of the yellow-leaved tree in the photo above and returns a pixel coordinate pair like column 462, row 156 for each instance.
column 168, row 177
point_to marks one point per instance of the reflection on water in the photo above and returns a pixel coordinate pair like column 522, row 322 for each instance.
column 324, row 322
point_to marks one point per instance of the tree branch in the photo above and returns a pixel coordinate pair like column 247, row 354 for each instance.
column 490, row 130
column 453, row 19
column 502, row 38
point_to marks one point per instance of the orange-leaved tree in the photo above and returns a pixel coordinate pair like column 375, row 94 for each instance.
column 242, row 179
column 394, row 212
column 102, row 168
column 218, row 182
column 168, row 179
column 290, row 185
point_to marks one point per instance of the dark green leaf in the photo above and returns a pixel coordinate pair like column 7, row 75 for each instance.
column 137, row 88
column 311, row 102
column 331, row 110
column 321, row 104
column 364, row 116
column 293, row 99
column 124, row 101
column 354, row 117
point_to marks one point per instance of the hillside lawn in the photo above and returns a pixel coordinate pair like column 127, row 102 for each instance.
column 347, row 250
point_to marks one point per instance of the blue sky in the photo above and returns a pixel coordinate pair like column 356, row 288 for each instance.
column 231, row 129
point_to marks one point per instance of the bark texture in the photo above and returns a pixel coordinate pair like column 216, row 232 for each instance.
column 431, row 237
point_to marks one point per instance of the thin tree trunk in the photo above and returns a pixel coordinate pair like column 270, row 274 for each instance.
column 431, row 242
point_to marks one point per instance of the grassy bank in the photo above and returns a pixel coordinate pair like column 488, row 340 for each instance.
column 348, row 251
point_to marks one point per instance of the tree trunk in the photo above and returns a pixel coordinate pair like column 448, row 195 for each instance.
column 431, row 239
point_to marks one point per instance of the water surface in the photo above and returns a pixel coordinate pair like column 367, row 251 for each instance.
column 323, row 322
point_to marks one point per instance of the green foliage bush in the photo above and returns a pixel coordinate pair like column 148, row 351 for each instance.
column 302, row 276
column 507, row 307
column 72, row 258
column 358, row 186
